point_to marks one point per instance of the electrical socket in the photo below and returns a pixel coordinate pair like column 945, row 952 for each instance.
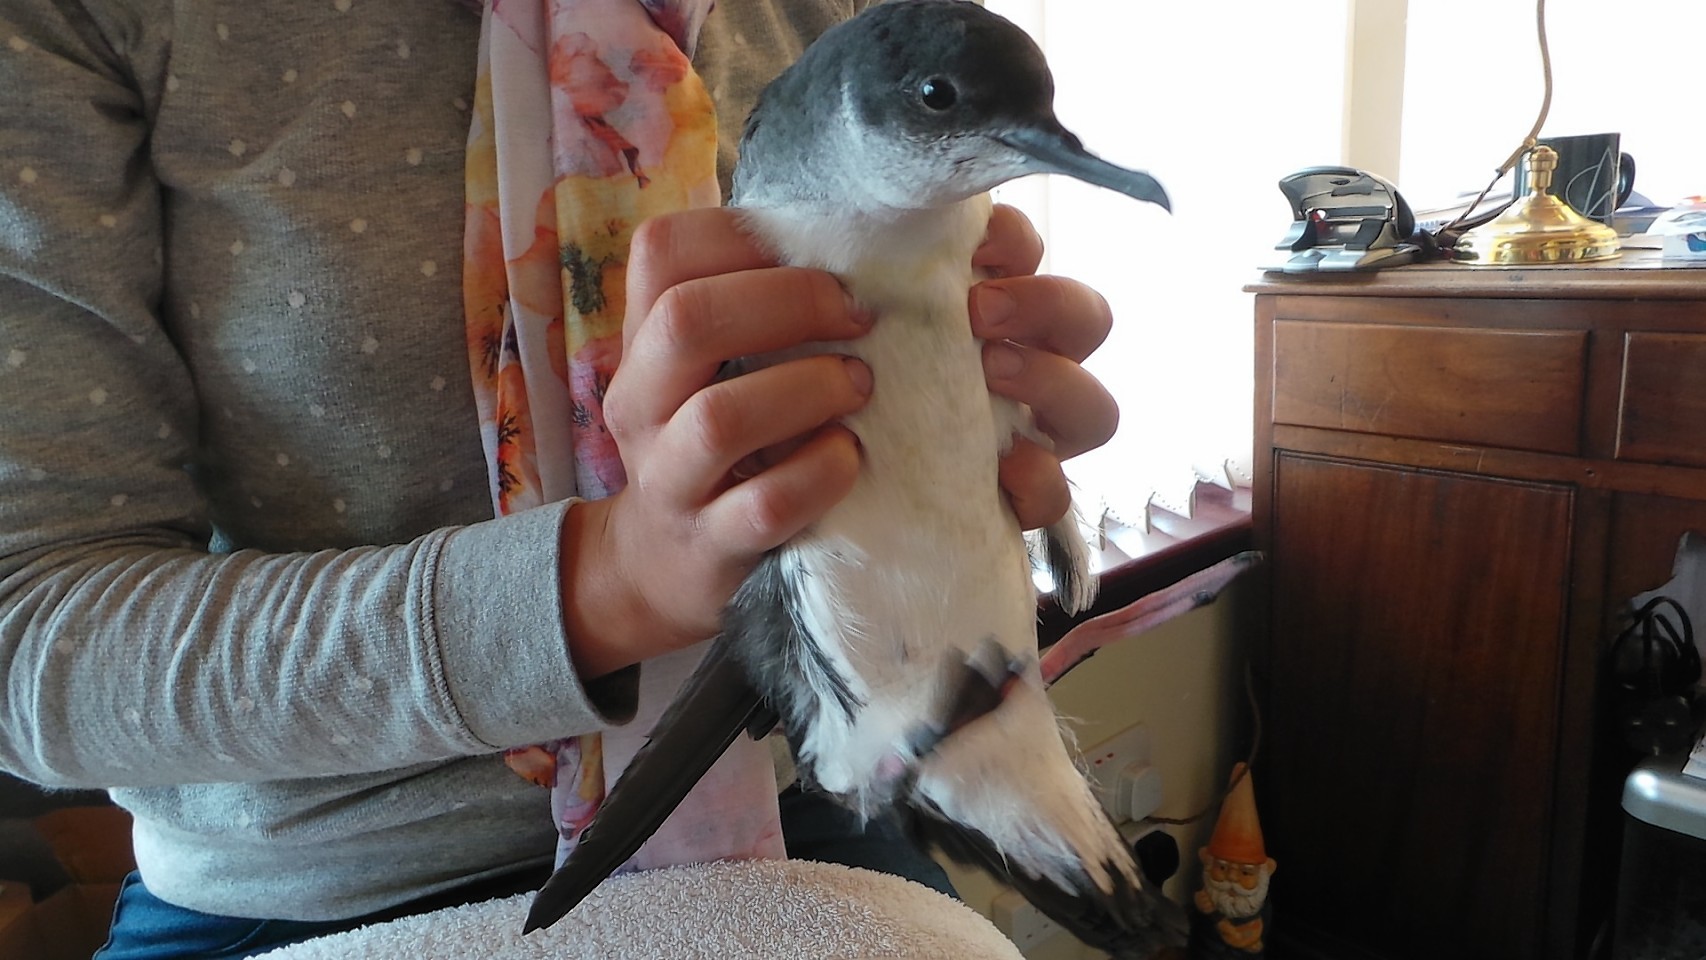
column 1121, row 776
column 1023, row 923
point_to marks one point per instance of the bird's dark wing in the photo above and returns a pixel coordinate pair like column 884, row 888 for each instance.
column 714, row 706
column 1128, row 921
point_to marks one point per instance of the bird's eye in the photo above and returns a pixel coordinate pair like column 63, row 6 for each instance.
column 938, row 94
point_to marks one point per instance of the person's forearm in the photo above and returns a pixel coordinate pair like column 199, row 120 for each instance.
column 130, row 663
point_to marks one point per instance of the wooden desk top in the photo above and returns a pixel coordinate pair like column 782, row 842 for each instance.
column 1637, row 275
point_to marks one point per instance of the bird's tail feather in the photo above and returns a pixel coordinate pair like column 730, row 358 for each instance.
column 1126, row 920
column 712, row 709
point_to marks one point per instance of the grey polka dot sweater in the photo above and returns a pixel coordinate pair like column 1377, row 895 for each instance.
column 248, row 575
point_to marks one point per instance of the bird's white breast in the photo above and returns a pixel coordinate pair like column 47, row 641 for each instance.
column 924, row 555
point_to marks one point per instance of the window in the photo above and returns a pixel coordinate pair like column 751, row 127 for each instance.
column 1218, row 101
column 1628, row 69
column 1221, row 100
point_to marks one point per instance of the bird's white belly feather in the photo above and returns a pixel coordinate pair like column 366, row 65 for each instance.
column 924, row 561
column 923, row 558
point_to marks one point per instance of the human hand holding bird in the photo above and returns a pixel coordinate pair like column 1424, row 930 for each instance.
column 627, row 601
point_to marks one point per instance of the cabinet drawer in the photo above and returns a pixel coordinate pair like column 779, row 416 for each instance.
column 1661, row 417
column 1519, row 389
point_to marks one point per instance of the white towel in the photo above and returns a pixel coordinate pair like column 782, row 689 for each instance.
column 718, row 911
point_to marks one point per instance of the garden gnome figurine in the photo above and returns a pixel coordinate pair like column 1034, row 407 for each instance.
column 1232, row 907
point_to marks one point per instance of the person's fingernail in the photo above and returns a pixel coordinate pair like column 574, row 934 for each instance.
column 748, row 467
column 857, row 312
column 995, row 306
column 859, row 374
column 1001, row 361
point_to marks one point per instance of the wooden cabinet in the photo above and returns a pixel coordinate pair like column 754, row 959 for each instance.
column 1462, row 475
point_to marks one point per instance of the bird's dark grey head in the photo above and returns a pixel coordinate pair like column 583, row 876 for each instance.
column 915, row 103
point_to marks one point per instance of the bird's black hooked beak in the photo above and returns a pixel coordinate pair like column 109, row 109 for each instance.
column 1056, row 150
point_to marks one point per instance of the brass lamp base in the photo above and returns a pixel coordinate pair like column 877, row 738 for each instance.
column 1539, row 229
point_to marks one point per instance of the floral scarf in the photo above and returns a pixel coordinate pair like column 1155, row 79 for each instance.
column 588, row 119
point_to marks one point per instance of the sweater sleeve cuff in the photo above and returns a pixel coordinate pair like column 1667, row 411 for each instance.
column 497, row 612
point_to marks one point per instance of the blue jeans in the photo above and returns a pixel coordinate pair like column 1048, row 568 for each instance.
column 148, row 928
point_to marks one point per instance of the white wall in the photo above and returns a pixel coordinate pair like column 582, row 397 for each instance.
column 1374, row 86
